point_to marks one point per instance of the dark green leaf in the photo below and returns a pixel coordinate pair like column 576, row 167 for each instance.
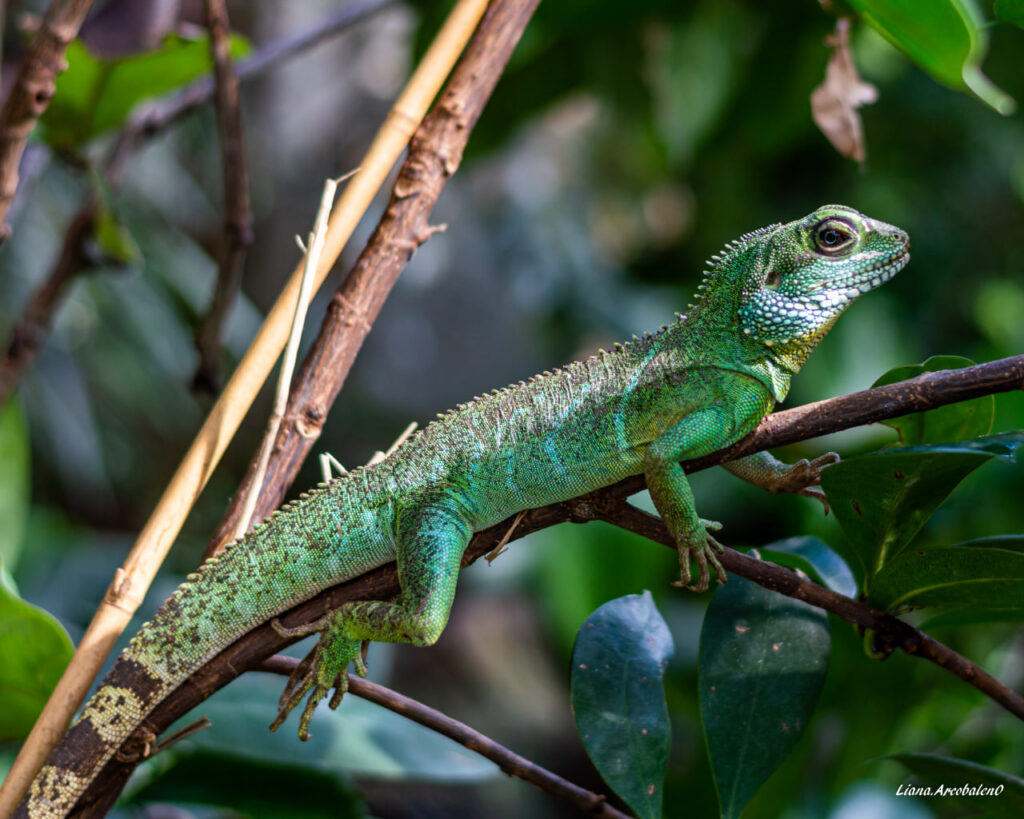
column 1009, row 11
column 271, row 790
column 14, row 482
column 881, row 500
column 814, row 558
column 972, row 618
column 34, row 649
column 951, row 577
column 949, row 773
column 945, row 37
column 95, row 95
column 954, row 422
column 763, row 660
column 618, row 700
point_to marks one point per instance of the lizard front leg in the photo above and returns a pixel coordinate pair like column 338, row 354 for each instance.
column 431, row 538
column 766, row 471
column 696, row 434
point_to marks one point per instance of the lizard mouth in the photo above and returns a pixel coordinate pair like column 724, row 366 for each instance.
column 832, row 293
column 880, row 274
column 877, row 275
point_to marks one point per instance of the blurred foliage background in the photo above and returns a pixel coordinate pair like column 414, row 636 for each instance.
column 626, row 143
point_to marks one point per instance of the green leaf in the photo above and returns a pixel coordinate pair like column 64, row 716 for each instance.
column 951, row 577
column 1009, row 11
column 814, row 558
column 270, row 790
column 95, row 95
column 763, row 660
column 944, row 37
column 618, row 700
column 972, row 618
column 954, row 422
column 34, row 649
column 14, row 482
column 952, row 774
column 882, row 500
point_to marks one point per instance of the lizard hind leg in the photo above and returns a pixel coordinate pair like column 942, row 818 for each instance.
column 431, row 539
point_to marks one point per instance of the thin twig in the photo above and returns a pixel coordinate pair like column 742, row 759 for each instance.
column 511, row 763
column 32, row 91
column 237, row 233
column 314, row 248
column 380, row 455
column 132, row 580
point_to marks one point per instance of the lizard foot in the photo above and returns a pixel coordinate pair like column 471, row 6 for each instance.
column 703, row 553
column 804, row 477
column 324, row 668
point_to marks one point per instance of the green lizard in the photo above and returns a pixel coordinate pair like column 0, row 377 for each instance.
column 695, row 386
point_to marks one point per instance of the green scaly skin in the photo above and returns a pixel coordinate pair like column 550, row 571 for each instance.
column 695, row 386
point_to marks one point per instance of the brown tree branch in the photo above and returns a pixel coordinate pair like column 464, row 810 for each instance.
column 32, row 91
column 237, row 235
column 30, row 330
column 890, row 632
column 509, row 762
column 914, row 395
column 434, row 155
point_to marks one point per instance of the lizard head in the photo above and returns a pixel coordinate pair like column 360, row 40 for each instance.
column 809, row 271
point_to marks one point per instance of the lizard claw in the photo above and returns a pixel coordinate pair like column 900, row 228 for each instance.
column 804, row 477
column 827, row 459
column 817, row 494
column 815, row 466
column 703, row 554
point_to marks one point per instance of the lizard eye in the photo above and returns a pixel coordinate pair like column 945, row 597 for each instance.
column 773, row 280
column 832, row 237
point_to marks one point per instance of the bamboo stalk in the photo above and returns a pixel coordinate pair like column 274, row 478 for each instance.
column 132, row 580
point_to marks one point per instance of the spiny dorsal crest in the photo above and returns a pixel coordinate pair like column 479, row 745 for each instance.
column 731, row 249
column 718, row 261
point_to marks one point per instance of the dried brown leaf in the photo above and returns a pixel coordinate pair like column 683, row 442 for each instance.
column 834, row 103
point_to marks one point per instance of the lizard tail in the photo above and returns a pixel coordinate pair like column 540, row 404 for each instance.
column 255, row 579
column 122, row 702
